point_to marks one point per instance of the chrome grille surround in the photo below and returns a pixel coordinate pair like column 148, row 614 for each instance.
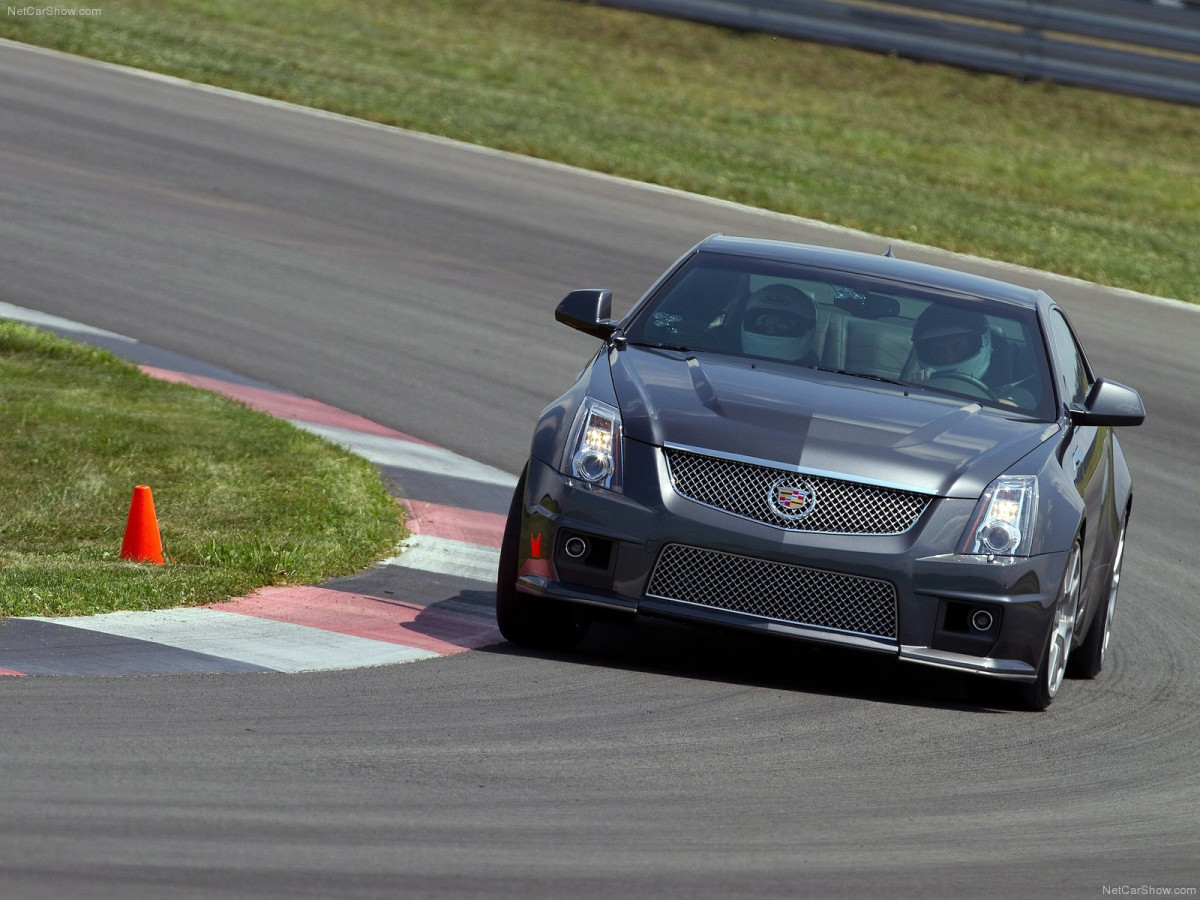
column 836, row 506
column 772, row 590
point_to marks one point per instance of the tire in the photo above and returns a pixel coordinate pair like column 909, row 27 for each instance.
column 535, row 622
column 1088, row 660
column 1057, row 655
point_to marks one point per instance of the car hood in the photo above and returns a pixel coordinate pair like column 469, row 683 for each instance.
column 818, row 422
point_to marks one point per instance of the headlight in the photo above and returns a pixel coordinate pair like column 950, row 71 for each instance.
column 1003, row 521
column 594, row 450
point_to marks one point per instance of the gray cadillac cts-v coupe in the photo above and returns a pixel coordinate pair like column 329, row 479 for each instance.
column 837, row 447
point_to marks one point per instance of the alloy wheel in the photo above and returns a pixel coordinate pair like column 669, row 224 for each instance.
column 1064, row 625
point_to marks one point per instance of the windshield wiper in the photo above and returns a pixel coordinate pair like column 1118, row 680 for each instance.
column 661, row 346
column 868, row 375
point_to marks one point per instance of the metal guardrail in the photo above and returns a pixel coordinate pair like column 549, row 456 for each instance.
column 1124, row 46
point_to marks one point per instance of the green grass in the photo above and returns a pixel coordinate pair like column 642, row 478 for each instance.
column 242, row 499
column 1098, row 186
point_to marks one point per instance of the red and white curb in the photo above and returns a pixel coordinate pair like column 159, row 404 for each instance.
column 294, row 629
column 300, row 629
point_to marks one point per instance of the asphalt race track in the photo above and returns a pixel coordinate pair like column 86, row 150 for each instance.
column 411, row 281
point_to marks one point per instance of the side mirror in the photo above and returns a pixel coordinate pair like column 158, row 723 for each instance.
column 588, row 311
column 1110, row 403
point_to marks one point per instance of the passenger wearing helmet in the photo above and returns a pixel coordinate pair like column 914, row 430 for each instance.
column 779, row 323
column 953, row 348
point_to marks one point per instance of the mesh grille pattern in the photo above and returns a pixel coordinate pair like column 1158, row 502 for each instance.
column 835, row 506
column 775, row 590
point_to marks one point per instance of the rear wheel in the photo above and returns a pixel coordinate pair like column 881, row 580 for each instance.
column 1089, row 659
column 1039, row 694
column 528, row 621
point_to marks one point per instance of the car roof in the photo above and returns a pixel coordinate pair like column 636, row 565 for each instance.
column 879, row 265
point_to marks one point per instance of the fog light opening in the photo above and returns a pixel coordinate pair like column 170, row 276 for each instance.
column 576, row 547
column 982, row 620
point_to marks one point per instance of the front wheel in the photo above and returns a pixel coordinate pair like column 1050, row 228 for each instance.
column 1039, row 694
column 535, row 622
column 1089, row 659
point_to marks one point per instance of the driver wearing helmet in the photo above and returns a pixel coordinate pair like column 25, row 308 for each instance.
column 779, row 323
column 953, row 348
column 950, row 341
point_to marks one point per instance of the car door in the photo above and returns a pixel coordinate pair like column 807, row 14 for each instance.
column 1087, row 449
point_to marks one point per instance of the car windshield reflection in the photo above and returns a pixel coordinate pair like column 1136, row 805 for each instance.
column 970, row 347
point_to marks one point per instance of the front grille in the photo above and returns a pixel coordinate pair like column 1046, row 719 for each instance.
column 774, row 590
column 818, row 504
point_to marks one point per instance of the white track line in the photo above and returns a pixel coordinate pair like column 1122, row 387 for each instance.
column 401, row 454
column 447, row 557
column 45, row 320
column 260, row 642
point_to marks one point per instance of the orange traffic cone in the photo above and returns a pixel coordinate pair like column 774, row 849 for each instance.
column 142, row 541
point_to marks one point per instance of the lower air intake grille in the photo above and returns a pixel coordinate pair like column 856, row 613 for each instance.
column 774, row 590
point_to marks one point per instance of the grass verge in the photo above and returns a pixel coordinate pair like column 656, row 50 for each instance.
column 242, row 499
column 1097, row 186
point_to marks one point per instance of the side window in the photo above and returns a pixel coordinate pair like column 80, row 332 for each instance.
column 1068, row 360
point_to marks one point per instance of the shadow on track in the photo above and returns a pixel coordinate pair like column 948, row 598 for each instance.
column 682, row 650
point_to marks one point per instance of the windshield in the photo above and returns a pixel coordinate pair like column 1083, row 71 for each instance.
column 913, row 335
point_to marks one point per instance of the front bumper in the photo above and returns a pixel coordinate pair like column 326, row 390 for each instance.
column 600, row 548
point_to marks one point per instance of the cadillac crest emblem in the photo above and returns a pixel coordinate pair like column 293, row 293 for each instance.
column 792, row 498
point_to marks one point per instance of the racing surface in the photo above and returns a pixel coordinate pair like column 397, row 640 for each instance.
column 412, row 281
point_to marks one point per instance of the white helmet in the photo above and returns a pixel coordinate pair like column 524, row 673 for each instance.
column 950, row 339
column 778, row 323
